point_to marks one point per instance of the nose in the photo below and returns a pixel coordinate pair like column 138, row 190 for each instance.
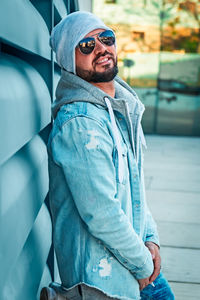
column 99, row 47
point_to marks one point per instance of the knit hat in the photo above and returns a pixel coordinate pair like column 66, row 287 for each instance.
column 67, row 34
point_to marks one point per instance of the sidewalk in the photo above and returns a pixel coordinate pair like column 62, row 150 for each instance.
column 172, row 174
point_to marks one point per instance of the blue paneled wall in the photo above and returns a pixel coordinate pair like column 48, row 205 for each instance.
column 26, row 92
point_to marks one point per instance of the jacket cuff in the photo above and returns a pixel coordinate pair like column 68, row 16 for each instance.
column 146, row 269
column 154, row 239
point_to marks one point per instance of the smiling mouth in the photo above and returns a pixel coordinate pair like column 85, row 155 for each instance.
column 104, row 61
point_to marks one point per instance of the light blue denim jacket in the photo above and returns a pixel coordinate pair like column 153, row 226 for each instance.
column 97, row 195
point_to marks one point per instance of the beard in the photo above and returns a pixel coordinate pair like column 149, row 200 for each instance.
column 94, row 76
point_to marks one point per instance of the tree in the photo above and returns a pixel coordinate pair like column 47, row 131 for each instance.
column 193, row 8
column 173, row 14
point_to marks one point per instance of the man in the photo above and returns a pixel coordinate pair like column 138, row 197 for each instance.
column 105, row 238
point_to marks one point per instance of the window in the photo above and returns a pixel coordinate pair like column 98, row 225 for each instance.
column 138, row 35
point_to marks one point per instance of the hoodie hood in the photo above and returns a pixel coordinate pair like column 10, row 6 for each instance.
column 67, row 34
column 72, row 88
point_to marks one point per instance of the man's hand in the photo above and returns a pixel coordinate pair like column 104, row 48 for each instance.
column 143, row 282
column 154, row 249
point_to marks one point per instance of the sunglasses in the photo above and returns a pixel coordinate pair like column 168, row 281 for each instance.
column 87, row 44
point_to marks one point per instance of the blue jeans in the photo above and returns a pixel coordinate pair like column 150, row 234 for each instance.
column 160, row 291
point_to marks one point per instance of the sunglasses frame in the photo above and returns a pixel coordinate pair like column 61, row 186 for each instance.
column 99, row 39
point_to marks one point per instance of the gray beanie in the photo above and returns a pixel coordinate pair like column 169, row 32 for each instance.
column 67, row 34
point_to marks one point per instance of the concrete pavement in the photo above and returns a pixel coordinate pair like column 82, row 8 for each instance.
column 172, row 175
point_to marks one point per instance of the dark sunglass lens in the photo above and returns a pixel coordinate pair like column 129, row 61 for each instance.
column 107, row 37
column 87, row 45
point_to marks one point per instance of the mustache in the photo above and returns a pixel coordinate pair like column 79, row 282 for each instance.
column 104, row 54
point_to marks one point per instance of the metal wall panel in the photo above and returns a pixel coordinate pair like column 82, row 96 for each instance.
column 46, row 277
column 60, row 7
column 27, row 86
column 22, row 25
column 23, row 186
column 25, row 104
column 24, row 280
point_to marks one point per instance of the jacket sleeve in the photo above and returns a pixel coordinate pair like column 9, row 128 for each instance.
column 151, row 229
column 83, row 148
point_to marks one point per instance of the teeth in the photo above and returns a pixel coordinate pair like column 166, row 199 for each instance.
column 103, row 60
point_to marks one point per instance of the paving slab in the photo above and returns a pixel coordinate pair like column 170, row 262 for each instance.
column 181, row 265
column 174, row 206
column 186, row 291
column 172, row 176
column 177, row 234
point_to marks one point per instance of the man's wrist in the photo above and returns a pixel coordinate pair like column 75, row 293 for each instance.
column 150, row 243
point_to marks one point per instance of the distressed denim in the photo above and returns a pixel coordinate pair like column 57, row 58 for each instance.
column 160, row 291
column 100, row 221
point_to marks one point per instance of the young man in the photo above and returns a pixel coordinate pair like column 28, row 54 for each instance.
column 105, row 238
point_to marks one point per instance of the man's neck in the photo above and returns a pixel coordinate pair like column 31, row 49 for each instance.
column 107, row 87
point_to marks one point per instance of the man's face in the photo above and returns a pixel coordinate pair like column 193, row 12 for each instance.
column 98, row 66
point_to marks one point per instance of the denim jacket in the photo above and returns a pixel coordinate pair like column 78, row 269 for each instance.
column 97, row 197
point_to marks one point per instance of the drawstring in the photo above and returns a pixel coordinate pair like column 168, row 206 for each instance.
column 117, row 140
column 130, row 128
